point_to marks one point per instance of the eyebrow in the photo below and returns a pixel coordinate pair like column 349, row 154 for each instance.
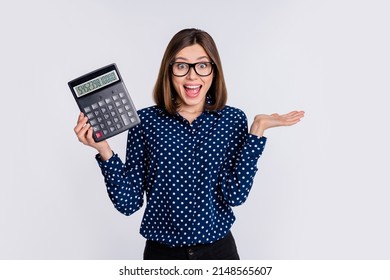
column 199, row 58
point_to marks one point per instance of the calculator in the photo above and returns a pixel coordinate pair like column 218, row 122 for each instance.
column 102, row 96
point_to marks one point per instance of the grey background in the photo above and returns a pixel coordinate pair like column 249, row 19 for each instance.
column 322, row 189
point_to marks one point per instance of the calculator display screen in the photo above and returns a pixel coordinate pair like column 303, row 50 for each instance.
column 96, row 83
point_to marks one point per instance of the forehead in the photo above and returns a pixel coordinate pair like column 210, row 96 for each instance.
column 192, row 53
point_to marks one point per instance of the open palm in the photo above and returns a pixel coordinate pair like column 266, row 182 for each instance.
column 263, row 122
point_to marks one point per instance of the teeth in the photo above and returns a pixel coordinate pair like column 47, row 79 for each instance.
column 192, row 87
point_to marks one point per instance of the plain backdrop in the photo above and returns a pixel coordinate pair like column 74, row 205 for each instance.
column 322, row 189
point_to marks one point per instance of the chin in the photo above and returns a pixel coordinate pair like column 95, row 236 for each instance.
column 194, row 102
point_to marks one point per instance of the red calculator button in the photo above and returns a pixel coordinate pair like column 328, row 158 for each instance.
column 99, row 134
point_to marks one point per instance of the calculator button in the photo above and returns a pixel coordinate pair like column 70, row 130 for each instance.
column 105, row 131
column 121, row 110
column 93, row 122
column 112, row 128
column 118, row 125
column 104, row 109
column 124, row 101
column 98, row 134
column 121, row 94
column 115, row 97
column 132, row 119
column 87, row 109
column 97, row 113
column 129, row 114
column 127, row 107
column 117, row 104
column 99, row 119
column 113, row 113
column 95, row 106
column 109, row 122
column 96, row 128
column 106, row 116
column 110, row 107
column 125, row 119
column 116, row 120
column 108, row 100
column 90, row 115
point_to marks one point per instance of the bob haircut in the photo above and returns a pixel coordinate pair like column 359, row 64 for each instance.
column 165, row 95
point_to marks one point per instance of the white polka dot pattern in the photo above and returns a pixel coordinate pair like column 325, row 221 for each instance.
column 191, row 174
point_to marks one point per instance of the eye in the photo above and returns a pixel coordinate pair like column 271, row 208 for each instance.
column 180, row 66
column 202, row 65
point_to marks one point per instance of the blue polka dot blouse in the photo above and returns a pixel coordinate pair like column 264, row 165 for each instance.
column 192, row 174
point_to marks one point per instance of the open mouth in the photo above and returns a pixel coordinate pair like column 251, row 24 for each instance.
column 192, row 91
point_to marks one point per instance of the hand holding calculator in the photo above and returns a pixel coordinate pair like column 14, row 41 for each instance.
column 102, row 96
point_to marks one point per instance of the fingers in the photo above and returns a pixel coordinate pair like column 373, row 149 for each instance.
column 81, row 115
column 81, row 122
column 288, row 119
column 84, row 133
column 264, row 122
column 89, row 135
column 295, row 114
column 294, row 117
column 84, row 130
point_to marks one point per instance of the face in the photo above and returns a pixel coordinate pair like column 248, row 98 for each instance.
column 192, row 88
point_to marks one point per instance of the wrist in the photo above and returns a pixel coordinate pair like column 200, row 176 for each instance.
column 106, row 153
column 258, row 133
column 257, row 129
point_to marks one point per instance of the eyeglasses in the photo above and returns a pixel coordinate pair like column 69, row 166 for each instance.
column 203, row 69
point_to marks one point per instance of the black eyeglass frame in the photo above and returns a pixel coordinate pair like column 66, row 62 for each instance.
column 192, row 65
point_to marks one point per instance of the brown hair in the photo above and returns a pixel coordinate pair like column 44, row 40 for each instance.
column 164, row 93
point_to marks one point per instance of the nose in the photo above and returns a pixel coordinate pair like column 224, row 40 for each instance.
column 191, row 73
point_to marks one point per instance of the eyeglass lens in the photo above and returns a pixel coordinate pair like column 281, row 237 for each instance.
column 201, row 68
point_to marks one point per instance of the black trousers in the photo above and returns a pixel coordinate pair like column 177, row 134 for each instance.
column 223, row 249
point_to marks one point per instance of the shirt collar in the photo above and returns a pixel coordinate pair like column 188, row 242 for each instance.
column 216, row 112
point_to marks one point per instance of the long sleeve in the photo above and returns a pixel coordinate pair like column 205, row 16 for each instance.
column 125, row 182
column 240, row 166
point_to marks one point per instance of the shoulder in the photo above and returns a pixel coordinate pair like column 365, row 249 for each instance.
column 233, row 113
column 153, row 115
column 149, row 112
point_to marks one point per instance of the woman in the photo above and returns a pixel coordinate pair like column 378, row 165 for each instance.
column 191, row 155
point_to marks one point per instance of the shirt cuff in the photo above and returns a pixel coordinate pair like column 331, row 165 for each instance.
column 255, row 145
column 106, row 164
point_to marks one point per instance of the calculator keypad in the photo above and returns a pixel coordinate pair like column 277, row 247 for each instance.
column 110, row 114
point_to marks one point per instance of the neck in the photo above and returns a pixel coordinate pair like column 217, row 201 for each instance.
column 190, row 111
column 190, row 115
